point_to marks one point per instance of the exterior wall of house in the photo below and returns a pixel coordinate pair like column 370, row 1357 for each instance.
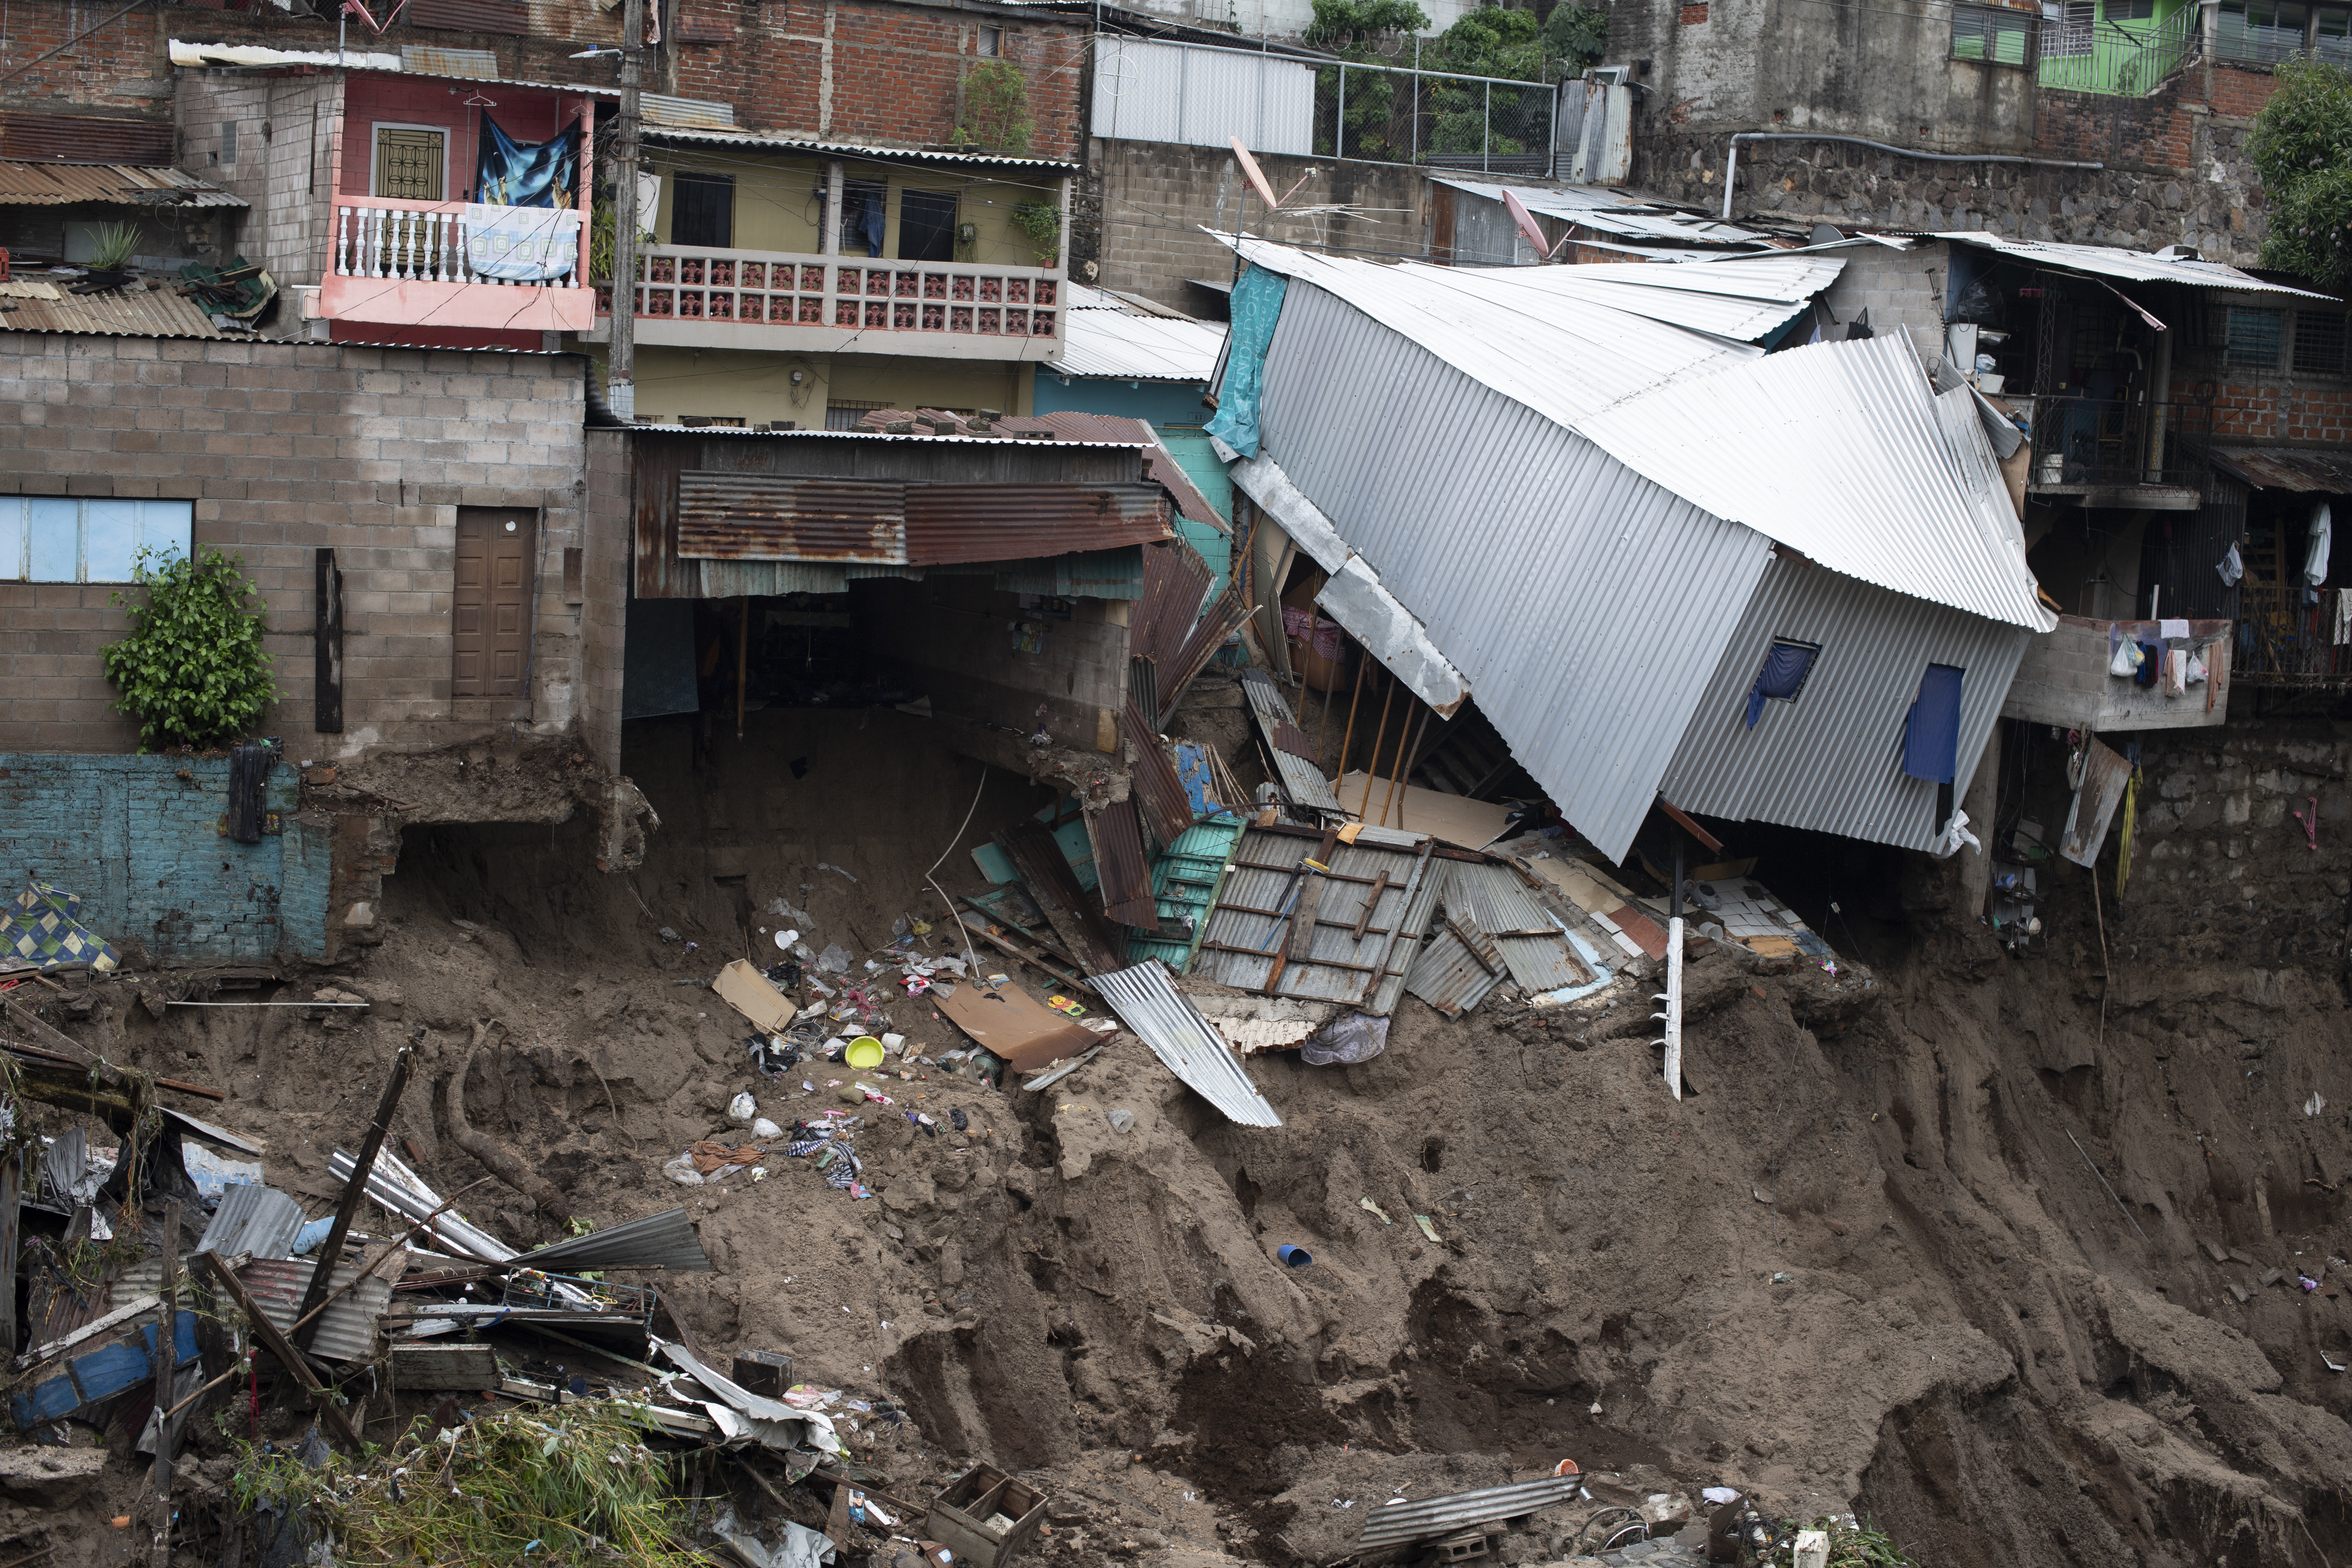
column 1902, row 289
column 285, row 171
column 779, row 202
column 143, row 842
column 284, row 448
column 675, row 383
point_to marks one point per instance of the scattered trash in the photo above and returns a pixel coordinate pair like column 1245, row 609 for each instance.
column 2330, row 1362
column 763, row 1128
column 1295, row 1257
column 823, row 867
column 1374, row 1210
column 833, row 960
column 742, row 1110
column 2315, row 1104
column 1349, row 1038
column 1427, row 1229
column 1121, row 1120
column 864, row 1052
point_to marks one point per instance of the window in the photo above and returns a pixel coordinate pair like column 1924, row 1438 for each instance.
column 865, row 217
column 702, row 210
column 926, row 222
column 46, row 538
column 2319, row 343
column 2260, row 30
column 1992, row 33
column 990, row 42
column 2129, row 10
column 228, row 143
column 2334, row 43
column 1931, row 730
column 2066, row 27
column 412, row 163
column 2254, row 338
column 841, row 416
column 1786, row 665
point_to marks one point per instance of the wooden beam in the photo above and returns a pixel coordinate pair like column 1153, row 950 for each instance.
column 354, row 1189
column 327, row 702
column 1364, row 917
column 277, row 1345
column 1713, row 844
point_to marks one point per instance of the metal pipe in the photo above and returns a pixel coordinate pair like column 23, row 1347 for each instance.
column 1731, row 161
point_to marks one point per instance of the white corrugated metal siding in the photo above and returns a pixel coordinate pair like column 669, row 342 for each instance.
column 1130, row 346
column 1833, row 759
column 1203, row 96
column 1587, row 605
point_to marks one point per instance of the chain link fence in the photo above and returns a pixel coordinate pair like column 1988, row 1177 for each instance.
column 1394, row 114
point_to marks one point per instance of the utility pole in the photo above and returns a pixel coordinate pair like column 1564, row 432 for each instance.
column 620, row 376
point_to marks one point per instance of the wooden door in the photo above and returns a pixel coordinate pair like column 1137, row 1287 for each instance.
column 492, row 627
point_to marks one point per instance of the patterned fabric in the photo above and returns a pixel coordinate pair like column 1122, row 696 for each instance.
column 43, row 930
column 1256, row 307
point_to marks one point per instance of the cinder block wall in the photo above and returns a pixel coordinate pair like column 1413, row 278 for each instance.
column 1900, row 288
column 284, row 448
column 142, row 841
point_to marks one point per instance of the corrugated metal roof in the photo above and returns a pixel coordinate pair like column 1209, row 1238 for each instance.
column 24, row 184
column 1246, row 929
column 2297, row 470
column 663, row 1240
column 949, row 523
column 666, row 135
column 1458, row 497
column 258, row 1221
column 1167, row 809
column 1148, row 1002
column 1747, row 303
column 1184, row 883
column 162, row 312
column 1160, row 464
column 1449, row 972
column 727, row 516
column 1125, row 346
column 1563, row 362
column 1833, row 759
column 1302, row 780
column 1838, row 450
column 1492, row 902
column 255, row 56
column 1401, row 1524
column 2113, row 261
column 690, row 113
column 347, row 1328
column 430, row 59
column 403, row 1192
column 1612, row 212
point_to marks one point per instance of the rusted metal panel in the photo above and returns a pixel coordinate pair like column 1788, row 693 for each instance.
column 84, row 139
column 1448, row 973
column 1288, row 737
column 1176, row 582
column 36, row 184
column 949, row 523
column 116, row 312
column 1245, row 929
column 1167, row 810
column 2301, row 470
column 1126, row 878
column 1491, row 900
column 1054, row 888
column 1160, row 464
column 347, row 1328
column 768, row 517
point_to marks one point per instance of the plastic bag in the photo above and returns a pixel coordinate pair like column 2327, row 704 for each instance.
column 833, row 960
column 1356, row 1037
column 2126, row 664
column 2197, row 671
column 742, row 1108
column 681, row 1171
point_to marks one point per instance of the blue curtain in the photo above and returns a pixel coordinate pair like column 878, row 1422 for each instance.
column 1931, row 735
column 1784, row 672
column 511, row 174
column 1258, row 305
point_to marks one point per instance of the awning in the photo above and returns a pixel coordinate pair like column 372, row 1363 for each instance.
column 2299, row 470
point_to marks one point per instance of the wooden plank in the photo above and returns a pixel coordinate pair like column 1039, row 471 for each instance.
column 327, row 670
column 419, row 1367
column 1364, row 918
column 1053, row 889
column 1713, row 844
column 167, row 1365
column 331, row 1249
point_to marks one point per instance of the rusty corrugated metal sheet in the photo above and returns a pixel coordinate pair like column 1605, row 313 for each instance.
column 85, row 139
column 1160, row 464
column 771, row 517
column 949, row 523
column 25, row 183
column 1165, row 807
column 1449, row 973
column 1175, row 585
column 1126, row 878
column 1253, row 917
column 347, row 1328
column 119, row 312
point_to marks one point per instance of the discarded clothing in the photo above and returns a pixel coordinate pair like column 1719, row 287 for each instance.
column 1931, row 734
column 511, row 174
column 43, row 930
column 710, row 1156
column 2151, row 664
column 521, row 245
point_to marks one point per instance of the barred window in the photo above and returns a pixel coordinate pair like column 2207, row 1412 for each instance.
column 2067, row 25
column 2255, row 337
column 2318, row 342
column 1991, row 33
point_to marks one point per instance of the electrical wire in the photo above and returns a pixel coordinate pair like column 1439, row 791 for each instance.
column 969, row 956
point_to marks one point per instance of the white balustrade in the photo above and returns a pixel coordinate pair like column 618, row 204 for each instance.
column 422, row 244
column 870, row 294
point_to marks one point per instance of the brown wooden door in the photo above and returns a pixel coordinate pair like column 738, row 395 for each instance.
column 492, row 624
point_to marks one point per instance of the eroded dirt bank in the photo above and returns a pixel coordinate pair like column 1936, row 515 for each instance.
column 1867, row 1264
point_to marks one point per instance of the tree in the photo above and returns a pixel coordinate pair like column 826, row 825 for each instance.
column 192, row 670
column 1575, row 38
column 2302, row 149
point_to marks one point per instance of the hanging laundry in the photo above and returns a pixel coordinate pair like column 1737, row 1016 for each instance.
column 2315, row 559
column 511, row 174
column 2231, row 567
column 2343, row 617
column 2171, row 627
column 1931, row 734
column 2175, row 672
column 2151, row 664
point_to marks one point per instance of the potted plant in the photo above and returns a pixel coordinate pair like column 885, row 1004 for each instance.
column 110, row 263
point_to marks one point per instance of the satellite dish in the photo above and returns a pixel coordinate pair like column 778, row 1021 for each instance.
column 1528, row 226
column 1257, row 175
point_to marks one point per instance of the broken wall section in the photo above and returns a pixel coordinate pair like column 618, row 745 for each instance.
column 143, row 841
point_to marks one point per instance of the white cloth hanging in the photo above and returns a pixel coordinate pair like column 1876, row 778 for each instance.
column 2314, row 563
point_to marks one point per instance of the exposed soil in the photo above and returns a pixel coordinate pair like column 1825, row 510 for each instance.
column 1864, row 1266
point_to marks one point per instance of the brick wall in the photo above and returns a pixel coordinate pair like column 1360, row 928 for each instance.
column 2271, row 409
column 119, row 67
column 283, row 449
column 140, row 840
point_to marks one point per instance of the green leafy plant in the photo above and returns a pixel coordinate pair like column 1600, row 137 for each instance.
column 116, row 244
column 1851, row 1545
column 192, row 670
column 1574, row 37
column 2302, row 147
column 1041, row 222
column 996, row 109
column 1357, row 30
column 604, row 227
column 575, row 1484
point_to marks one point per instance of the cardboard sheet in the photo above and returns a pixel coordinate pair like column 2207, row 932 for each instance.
column 1015, row 1024
column 1456, row 819
column 747, row 991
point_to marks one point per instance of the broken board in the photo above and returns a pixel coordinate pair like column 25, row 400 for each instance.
column 437, row 1367
column 1455, row 818
column 1015, row 1024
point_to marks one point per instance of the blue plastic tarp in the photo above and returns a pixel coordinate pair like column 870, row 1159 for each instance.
column 1258, row 305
